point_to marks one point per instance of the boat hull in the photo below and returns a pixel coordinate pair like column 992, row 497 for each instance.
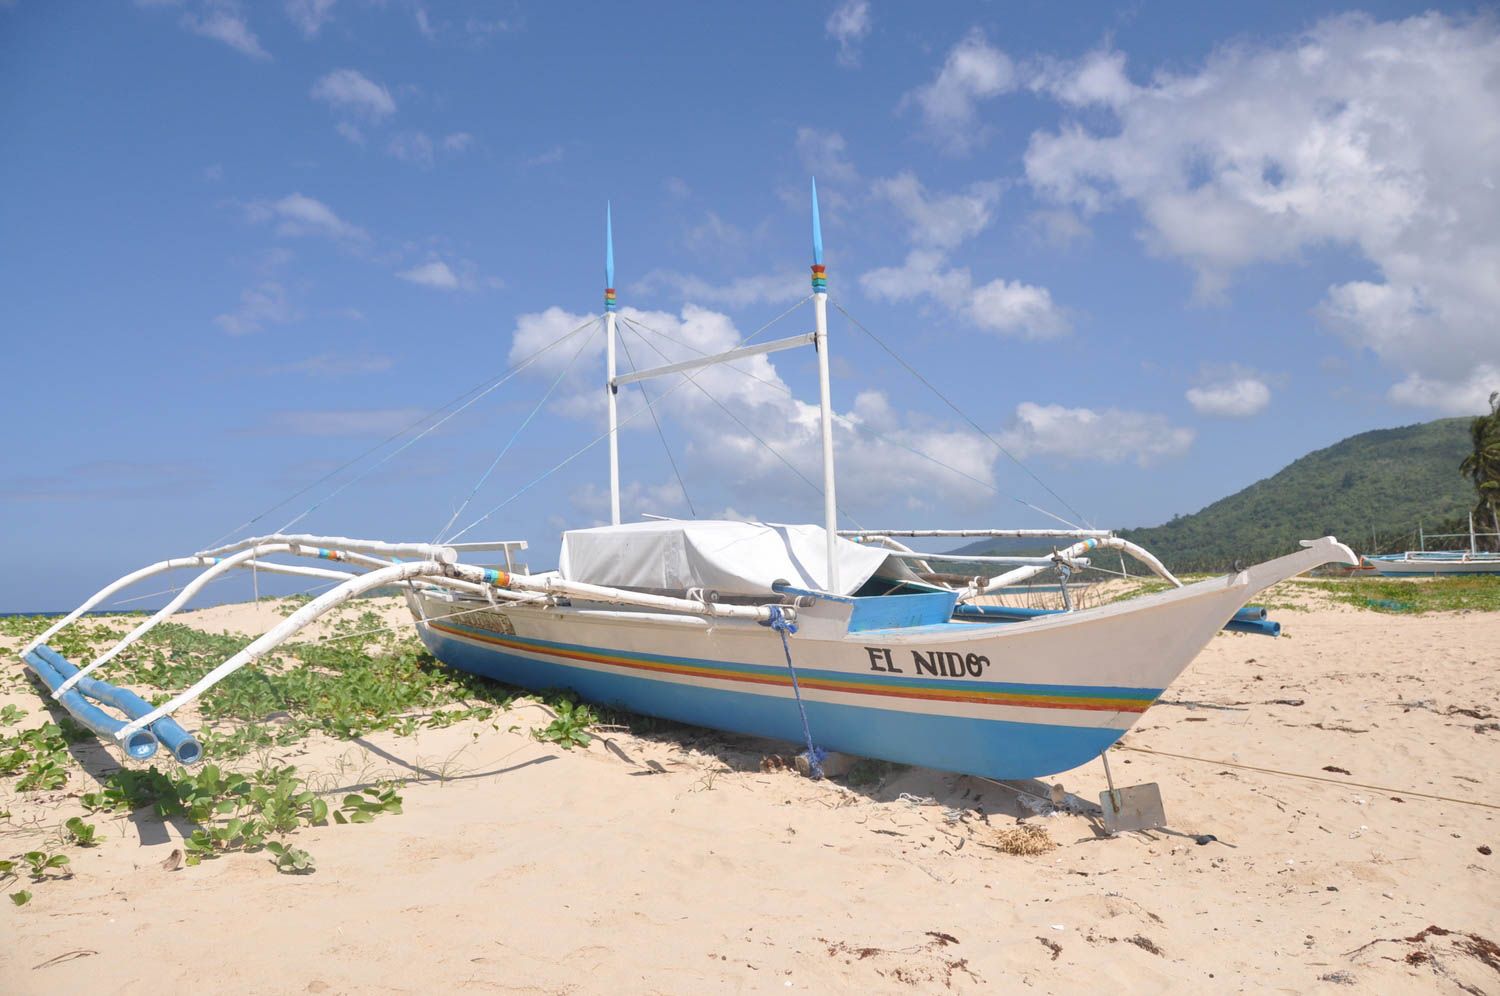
column 1002, row 700
column 1432, row 567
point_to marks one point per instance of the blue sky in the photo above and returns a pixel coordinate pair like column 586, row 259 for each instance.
column 1156, row 252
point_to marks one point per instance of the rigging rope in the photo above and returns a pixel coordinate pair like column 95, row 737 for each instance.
column 1311, row 778
column 854, row 424
column 484, row 387
column 783, row 625
column 957, row 410
column 605, row 435
column 755, row 435
column 513, row 437
column 642, row 385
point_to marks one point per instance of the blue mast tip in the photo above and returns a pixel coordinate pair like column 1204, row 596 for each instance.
column 609, row 248
column 817, row 227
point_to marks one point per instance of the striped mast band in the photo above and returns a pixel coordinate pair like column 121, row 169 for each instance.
column 819, row 279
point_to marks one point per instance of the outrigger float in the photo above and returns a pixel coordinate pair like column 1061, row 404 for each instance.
column 849, row 640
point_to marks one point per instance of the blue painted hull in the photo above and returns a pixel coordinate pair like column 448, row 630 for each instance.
column 992, row 748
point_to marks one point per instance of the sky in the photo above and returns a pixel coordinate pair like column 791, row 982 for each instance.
column 1139, row 256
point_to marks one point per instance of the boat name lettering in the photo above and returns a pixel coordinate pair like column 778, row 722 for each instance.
column 880, row 660
column 949, row 663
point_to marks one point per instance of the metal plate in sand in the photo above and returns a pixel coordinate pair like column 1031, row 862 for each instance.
column 1135, row 807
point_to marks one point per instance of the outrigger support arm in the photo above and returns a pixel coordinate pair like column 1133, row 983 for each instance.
column 440, row 573
column 1071, row 553
column 417, row 551
column 160, row 567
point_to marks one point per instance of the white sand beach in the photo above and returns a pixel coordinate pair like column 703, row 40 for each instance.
column 687, row 862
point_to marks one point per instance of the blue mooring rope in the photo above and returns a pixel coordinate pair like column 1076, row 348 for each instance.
column 783, row 625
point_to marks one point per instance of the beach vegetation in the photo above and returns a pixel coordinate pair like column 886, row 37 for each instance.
column 20, row 898
column 567, row 730
column 1482, row 466
column 81, row 833
column 40, row 863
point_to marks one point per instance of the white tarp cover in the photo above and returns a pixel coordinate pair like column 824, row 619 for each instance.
column 734, row 558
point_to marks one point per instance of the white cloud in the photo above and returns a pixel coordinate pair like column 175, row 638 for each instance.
column 1097, row 78
column 411, row 147
column 1376, row 137
column 974, row 70
column 297, row 215
column 223, row 20
column 354, row 422
column 1001, row 306
column 433, row 274
column 310, row 15
column 265, row 303
column 943, row 221
column 769, row 288
column 350, row 90
column 824, row 155
column 1058, row 229
column 722, row 450
column 423, row 24
column 351, row 132
column 1464, row 396
column 1238, row 398
column 1108, row 436
column 458, row 141
column 848, row 25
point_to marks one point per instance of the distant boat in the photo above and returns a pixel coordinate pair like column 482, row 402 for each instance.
column 847, row 640
column 1437, row 563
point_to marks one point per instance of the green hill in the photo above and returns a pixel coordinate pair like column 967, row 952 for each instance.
column 1376, row 484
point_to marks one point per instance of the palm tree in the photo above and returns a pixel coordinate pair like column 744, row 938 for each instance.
column 1483, row 465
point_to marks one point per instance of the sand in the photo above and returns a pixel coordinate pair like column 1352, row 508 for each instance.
column 675, row 864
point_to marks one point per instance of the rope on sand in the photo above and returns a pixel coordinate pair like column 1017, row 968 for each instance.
column 1312, row 778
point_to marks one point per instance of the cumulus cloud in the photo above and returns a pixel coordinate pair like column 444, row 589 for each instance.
column 265, row 303
column 1374, row 136
column 848, row 25
column 351, row 91
column 434, row 274
column 1239, row 398
column 223, row 20
column 1001, row 306
column 310, row 15
column 411, row 147
column 942, row 220
column 824, row 154
column 297, row 215
column 880, row 450
column 1108, row 436
column 974, row 70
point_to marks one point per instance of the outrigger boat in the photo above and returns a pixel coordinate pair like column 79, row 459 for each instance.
column 846, row 639
column 1438, row 563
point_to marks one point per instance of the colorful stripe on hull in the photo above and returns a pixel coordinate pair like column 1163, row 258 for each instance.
column 994, row 748
column 1017, row 695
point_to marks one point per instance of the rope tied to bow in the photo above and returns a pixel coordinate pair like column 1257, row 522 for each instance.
column 781, row 624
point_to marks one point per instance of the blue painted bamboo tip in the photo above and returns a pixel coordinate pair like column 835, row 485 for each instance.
column 140, row 745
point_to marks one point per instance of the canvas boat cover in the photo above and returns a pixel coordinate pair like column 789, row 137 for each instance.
column 733, row 558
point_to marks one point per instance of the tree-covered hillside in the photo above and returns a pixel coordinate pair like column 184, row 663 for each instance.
column 1380, row 483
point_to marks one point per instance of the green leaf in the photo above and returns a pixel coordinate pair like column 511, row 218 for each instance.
column 338, row 818
column 20, row 898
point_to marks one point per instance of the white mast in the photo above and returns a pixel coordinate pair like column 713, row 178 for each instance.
column 820, row 340
column 609, row 352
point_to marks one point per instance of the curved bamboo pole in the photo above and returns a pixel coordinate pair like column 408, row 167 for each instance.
column 109, row 589
column 1077, row 549
column 399, row 573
